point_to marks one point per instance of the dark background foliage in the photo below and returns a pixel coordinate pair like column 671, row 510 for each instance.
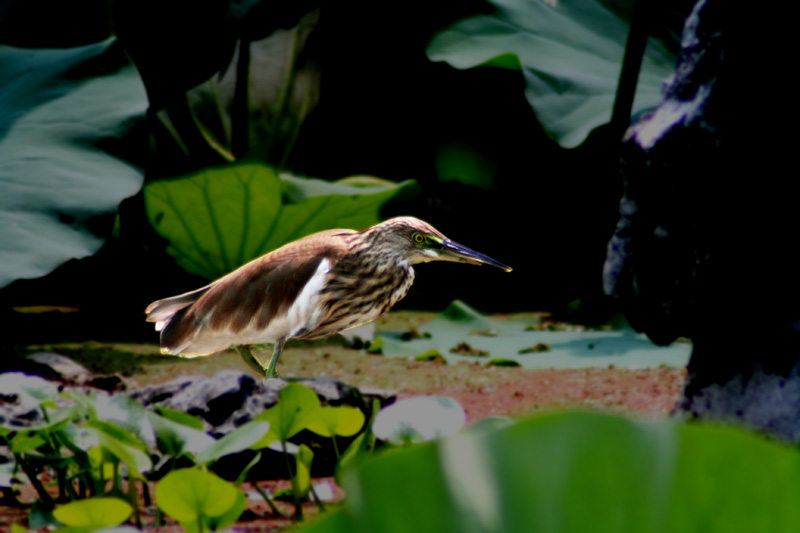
column 384, row 109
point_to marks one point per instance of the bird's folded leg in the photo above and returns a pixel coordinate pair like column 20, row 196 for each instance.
column 252, row 361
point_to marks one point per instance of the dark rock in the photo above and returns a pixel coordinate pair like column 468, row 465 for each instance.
column 223, row 401
column 705, row 246
column 67, row 370
column 108, row 383
column 230, row 399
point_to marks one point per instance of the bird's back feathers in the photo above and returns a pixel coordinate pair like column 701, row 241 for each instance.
column 247, row 305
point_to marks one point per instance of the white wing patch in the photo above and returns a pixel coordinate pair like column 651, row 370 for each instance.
column 304, row 313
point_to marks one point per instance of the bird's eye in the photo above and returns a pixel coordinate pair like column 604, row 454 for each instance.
column 419, row 238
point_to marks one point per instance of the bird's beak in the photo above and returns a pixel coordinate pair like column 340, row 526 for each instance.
column 452, row 251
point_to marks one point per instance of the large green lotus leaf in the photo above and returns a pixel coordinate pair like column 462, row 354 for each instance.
column 577, row 472
column 570, row 54
column 59, row 110
column 220, row 218
column 460, row 330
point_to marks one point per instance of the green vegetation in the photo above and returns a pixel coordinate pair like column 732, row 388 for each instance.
column 566, row 472
column 249, row 209
column 56, row 180
column 554, row 472
column 569, row 52
column 98, row 450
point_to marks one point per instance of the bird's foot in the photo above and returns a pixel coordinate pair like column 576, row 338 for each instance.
column 252, row 361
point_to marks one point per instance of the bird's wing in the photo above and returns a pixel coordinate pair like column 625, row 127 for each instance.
column 249, row 299
column 162, row 311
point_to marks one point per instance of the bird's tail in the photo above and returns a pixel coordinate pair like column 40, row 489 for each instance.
column 168, row 314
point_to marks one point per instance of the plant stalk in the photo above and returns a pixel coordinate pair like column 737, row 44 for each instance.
column 298, row 509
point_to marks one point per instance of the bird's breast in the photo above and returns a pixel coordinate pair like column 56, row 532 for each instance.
column 354, row 297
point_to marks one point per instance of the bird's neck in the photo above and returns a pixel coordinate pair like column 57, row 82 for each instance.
column 383, row 259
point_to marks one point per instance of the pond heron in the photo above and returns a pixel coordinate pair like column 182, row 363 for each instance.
column 314, row 287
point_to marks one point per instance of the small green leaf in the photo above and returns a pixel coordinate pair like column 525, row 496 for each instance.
column 297, row 406
column 220, row 523
column 189, row 494
column 23, row 443
column 429, row 355
column 127, row 449
column 118, row 433
column 376, row 346
column 303, row 475
column 176, row 438
column 237, row 440
column 502, row 362
column 95, row 513
column 362, row 444
column 246, row 470
column 343, row 421
column 180, row 417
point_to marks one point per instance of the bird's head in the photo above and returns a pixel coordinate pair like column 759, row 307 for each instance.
column 419, row 242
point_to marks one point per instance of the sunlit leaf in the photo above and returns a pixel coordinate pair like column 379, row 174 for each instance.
column 297, row 406
column 303, row 475
column 23, row 443
column 343, row 421
column 219, row 523
column 219, row 218
column 188, row 494
column 96, row 513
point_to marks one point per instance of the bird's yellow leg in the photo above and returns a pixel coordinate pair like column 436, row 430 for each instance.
column 252, row 361
column 273, row 362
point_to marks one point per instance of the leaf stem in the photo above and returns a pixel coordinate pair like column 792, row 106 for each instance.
column 239, row 108
column 298, row 509
column 47, row 500
column 267, row 498
column 631, row 65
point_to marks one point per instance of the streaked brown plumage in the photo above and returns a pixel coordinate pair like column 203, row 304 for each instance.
column 314, row 287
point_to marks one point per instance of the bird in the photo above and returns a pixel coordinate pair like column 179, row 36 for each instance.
column 310, row 288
